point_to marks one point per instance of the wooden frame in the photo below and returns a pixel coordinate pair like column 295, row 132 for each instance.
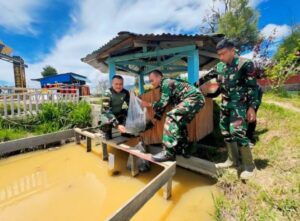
column 32, row 142
column 163, row 179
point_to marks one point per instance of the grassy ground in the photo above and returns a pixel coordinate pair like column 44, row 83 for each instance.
column 292, row 98
column 274, row 192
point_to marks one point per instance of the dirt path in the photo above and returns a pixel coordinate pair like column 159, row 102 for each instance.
column 284, row 105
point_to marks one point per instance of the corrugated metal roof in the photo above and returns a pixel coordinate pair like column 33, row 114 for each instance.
column 125, row 35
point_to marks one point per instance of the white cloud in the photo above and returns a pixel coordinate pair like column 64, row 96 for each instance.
column 19, row 16
column 278, row 31
column 96, row 22
column 255, row 3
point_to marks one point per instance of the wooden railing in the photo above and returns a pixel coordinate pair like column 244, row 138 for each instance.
column 22, row 102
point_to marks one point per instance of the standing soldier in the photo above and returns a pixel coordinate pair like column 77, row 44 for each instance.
column 237, row 81
column 114, row 108
column 187, row 101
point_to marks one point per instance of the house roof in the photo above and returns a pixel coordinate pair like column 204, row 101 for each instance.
column 61, row 78
column 129, row 43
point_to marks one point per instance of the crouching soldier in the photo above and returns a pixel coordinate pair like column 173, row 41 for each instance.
column 114, row 108
column 237, row 81
column 186, row 100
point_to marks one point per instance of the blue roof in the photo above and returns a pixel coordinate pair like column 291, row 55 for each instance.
column 65, row 78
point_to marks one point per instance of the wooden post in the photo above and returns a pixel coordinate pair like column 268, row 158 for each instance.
column 104, row 151
column 88, row 144
column 141, row 83
column 134, row 165
column 112, row 71
column 77, row 138
column 168, row 189
column 193, row 66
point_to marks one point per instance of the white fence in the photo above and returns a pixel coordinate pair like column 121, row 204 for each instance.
column 22, row 102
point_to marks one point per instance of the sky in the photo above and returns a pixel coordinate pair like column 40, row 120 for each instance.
column 59, row 32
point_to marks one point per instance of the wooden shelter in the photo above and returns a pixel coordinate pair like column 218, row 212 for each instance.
column 137, row 55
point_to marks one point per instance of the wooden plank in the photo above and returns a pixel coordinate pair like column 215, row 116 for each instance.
column 198, row 165
column 199, row 127
column 195, row 164
column 133, row 165
column 127, row 211
column 31, row 142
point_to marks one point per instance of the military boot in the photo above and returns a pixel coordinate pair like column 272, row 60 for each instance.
column 163, row 156
column 106, row 133
column 233, row 156
column 248, row 166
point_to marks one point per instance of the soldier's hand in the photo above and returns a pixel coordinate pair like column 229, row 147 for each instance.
column 145, row 104
column 251, row 116
column 121, row 129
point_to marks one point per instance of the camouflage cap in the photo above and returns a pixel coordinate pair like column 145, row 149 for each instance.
column 225, row 43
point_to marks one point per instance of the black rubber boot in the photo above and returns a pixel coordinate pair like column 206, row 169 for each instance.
column 164, row 156
column 106, row 133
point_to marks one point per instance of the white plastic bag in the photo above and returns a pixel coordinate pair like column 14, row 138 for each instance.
column 136, row 117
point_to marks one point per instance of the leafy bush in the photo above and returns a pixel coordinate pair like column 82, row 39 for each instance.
column 51, row 117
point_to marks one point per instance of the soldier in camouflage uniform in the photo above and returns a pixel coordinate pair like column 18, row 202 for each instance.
column 114, row 108
column 237, row 81
column 186, row 100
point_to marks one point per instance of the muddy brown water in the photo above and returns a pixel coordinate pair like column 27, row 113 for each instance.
column 69, row 184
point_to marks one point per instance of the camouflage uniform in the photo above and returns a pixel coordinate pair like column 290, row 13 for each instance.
column 187, row 101
column 239, row 91
column 114, row 109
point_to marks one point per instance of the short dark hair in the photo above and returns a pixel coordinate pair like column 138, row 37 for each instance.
column 118, row 77
column 225, row 43
column 156, row 72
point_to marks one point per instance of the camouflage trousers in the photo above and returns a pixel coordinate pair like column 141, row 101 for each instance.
column 175, row 127
column 233, row 124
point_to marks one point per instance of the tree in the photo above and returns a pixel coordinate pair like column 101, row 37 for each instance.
column 240, row 24
column 48, row 71
column 289, row 44
column 237, row 20
column 286, row 61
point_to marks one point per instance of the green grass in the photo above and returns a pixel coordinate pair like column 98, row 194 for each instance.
column 12, row 134
column 284, row 96
column 274, row 192
column 51, row 118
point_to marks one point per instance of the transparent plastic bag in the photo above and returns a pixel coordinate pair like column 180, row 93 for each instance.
column 136, row 117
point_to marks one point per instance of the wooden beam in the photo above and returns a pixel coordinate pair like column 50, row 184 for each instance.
column 208, row 54
column 198, row 165
column 124, row 68
column 166, row 62
column 156, row 53
column 31, row 142
column 127, row 211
